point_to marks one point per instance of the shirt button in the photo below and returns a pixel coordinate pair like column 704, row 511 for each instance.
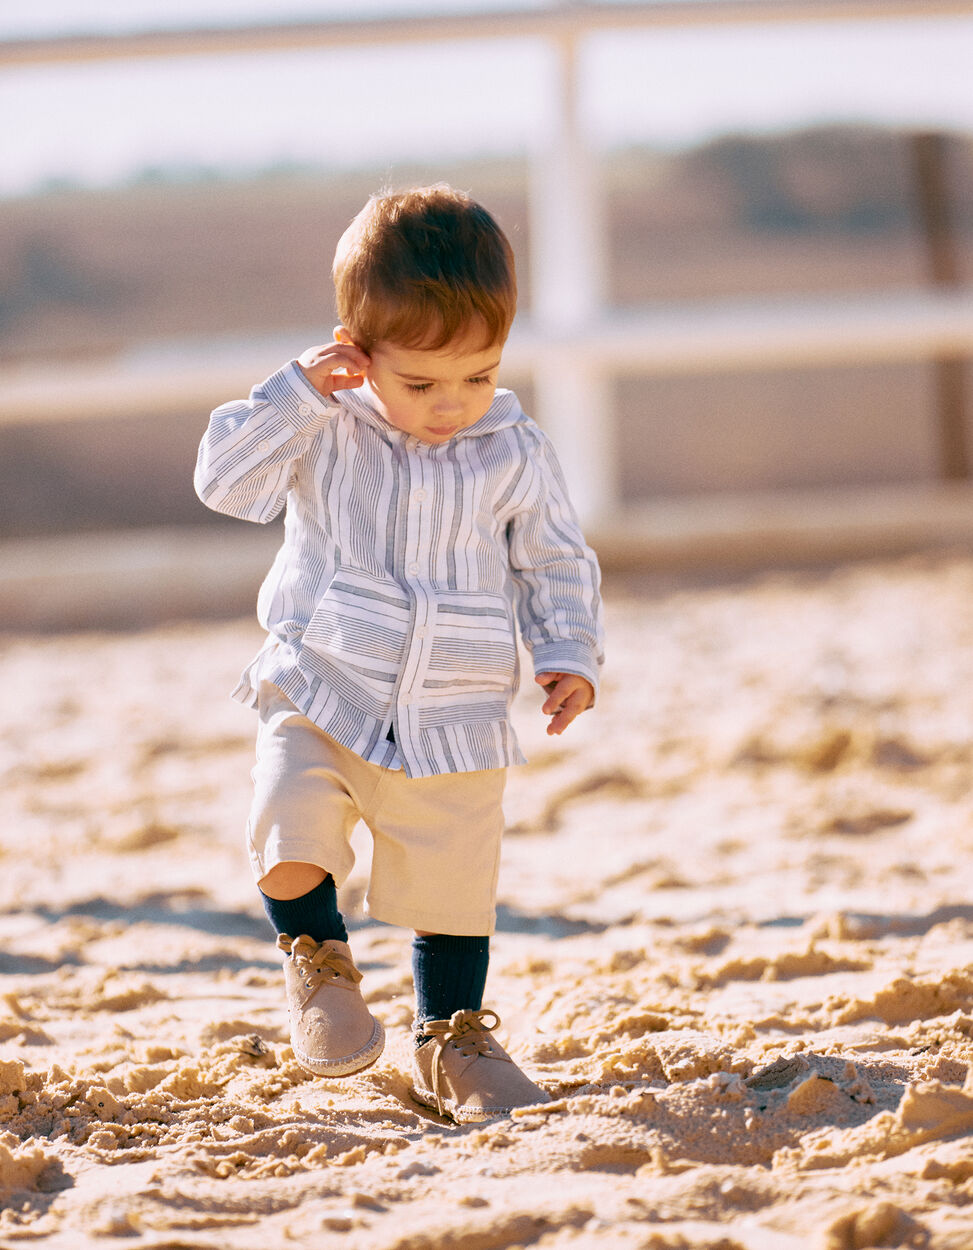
column 413, row 568
column 419, row 495
column 421, row 631
column 264, row 446
column 305, row 410
column 405, row 700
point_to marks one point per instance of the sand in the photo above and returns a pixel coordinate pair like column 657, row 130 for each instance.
column 735, row 944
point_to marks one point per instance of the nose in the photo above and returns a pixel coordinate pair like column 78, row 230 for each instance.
column 448, row 404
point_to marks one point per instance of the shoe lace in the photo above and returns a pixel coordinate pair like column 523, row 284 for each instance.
column 317, row 962
column 466, row 1031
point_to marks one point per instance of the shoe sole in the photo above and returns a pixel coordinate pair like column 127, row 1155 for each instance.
column 459, row 1115
column 348, row 1064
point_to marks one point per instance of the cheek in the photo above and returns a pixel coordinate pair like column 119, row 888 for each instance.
column 401, row 412
column 386, row 396
column 486, row 399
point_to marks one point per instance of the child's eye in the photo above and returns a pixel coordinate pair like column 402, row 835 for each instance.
column 479, row 381
column 417, row 387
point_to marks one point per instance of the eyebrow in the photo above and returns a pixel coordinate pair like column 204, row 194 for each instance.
column 421, row 377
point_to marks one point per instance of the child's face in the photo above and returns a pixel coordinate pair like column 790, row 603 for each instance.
column 432, row 395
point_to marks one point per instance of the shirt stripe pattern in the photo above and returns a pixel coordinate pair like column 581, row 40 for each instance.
column 403, row 569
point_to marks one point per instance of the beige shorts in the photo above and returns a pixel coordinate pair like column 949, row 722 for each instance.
column 436, row 839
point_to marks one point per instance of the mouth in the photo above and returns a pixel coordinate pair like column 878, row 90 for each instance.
column 442, row 431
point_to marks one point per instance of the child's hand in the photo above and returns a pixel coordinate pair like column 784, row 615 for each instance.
column 567, row 696
column 320, row 366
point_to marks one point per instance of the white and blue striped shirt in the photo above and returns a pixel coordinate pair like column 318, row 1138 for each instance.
column 391, row 603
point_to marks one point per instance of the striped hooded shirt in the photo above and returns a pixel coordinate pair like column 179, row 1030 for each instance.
column 390, row 608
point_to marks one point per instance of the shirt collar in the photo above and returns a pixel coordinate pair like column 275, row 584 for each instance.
column 360, row 401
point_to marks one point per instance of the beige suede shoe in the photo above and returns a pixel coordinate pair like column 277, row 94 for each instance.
column 464, row 1072
column 332, row 1031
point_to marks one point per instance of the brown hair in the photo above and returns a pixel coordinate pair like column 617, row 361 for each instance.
column 421, row 268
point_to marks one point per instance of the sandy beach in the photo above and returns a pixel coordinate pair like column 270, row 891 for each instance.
column 735, row 945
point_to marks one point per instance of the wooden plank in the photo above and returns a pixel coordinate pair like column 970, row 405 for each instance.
column 555, row 20
column 765, row 529
column 141, row 577
column 568, row 268
column 693, row 338
column 931, row 161
column 133, row 577
column 711, row 336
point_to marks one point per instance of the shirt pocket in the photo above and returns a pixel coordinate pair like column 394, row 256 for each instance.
column 473, row 647
column 358, row 632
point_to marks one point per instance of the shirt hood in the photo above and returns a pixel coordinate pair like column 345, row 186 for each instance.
column 504, row 412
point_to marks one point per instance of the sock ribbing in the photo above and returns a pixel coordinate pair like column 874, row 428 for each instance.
column 449, row 973
column 315, row 913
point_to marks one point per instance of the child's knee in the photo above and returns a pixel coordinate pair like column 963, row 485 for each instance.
column 291, row 879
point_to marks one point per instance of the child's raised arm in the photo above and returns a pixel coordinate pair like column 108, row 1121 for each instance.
column 249, row 449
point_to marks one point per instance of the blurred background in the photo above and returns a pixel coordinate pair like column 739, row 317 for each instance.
column 744, row 233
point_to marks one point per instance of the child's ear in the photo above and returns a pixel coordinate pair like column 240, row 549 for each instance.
column 341, row 335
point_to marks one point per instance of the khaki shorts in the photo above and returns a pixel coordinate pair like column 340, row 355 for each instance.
column 436, row 839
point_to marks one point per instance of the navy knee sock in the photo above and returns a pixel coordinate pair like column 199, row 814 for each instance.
column 449, row 974
column 315, row 913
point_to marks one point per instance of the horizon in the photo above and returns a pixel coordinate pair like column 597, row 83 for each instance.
column 188, row 176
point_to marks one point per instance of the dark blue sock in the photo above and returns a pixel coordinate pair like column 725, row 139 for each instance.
column 449, row 974
column 315, row 913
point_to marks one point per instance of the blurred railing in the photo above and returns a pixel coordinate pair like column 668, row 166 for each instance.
column 557, row 19
column 572, row 344
column 675, row 338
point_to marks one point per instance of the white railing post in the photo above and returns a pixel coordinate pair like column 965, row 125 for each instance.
column 567, row 297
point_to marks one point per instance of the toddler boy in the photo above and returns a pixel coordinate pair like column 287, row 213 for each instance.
column 424, row 514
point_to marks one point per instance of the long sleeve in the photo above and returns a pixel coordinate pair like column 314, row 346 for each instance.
column 556, row 574
column 404, row 569
column 247, row 456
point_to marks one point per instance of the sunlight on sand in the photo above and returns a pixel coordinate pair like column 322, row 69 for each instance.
column 735, row 944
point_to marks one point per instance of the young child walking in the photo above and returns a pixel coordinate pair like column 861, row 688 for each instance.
column 425, row 515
